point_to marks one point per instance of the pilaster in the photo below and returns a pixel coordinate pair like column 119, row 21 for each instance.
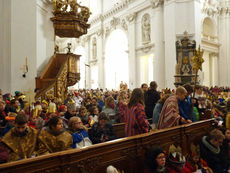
column 133, row 63
column 224, row 39
column 159, row 56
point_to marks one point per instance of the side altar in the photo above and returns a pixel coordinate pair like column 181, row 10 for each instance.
column 185, row 49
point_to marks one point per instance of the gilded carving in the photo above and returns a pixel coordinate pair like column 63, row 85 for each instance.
column 88, row 165
column 62, row 83
column 70, row 18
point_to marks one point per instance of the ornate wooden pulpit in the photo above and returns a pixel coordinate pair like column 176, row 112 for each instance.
column 62, row 71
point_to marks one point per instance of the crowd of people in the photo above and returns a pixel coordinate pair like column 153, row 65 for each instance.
column 51, row 125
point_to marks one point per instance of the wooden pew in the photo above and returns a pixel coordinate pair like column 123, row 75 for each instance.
column 126, row 153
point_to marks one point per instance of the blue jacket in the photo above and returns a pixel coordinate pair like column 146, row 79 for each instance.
column 78, row 137
column 185, row 107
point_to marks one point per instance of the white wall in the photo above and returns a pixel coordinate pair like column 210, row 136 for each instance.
column 23, row 43
column 44, row 35
column 19, row 41
column 5, row 48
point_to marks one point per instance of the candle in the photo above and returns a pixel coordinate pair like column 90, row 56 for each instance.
column 55, row 7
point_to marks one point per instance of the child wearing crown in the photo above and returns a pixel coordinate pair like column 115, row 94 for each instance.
column 194, row 163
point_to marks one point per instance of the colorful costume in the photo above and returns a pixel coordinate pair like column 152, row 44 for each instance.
column 80, row 139
column 20, row 146
column 49, row 142
column 135, row 121
column 170, row 114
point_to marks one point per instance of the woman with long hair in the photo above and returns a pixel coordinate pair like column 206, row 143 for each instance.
column 122, row 104
column 135, row 117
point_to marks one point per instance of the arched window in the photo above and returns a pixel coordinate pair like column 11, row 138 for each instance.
column 208, row 28
column 116, row 59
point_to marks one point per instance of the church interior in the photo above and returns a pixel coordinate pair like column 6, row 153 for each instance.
column 128, row 86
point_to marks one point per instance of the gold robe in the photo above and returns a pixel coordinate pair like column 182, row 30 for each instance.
column 20, row 147
column 49, row 143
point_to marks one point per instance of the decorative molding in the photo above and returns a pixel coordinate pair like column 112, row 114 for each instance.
column 185, row 34
column 100, row 32
column 210, row 45
column 145, row 48
column 112, row 11
column 210, row 8
column 124, row 25
column 156, row 3
column 93, row 62
column 214, row 54
column 224, row 10
column 107, row 31
column 131, row 17
column 114, row 22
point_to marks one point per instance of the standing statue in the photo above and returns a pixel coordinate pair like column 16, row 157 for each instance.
column 94, row 48
column 146, row 28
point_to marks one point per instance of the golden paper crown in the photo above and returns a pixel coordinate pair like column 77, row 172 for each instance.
column 195, row 150
column 52, row 108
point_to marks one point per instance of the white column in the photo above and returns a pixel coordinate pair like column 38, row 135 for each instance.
column 86, row 46
column 87, row 68
column 224, row 39
column 170, row 39
column 215, row 75
column 133, row 78
column 101, row 58
column 159, row 57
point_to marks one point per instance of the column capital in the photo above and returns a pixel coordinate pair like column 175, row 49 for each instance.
column 131, row 17
column 213, row 54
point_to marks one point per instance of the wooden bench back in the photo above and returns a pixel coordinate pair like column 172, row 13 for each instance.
column 126, row 153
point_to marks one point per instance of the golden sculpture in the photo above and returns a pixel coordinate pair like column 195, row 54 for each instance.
column 70, row 18
column 197, row 60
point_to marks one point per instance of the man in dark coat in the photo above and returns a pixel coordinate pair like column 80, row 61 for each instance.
column 211, row 152
column 152, row 96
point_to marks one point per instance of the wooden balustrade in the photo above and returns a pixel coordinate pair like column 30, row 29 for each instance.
column 126, row 153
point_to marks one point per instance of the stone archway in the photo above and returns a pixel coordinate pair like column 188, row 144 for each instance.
column 209, row 76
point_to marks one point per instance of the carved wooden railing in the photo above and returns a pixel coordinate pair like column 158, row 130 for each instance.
column 126, row 153
column 62, row 70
